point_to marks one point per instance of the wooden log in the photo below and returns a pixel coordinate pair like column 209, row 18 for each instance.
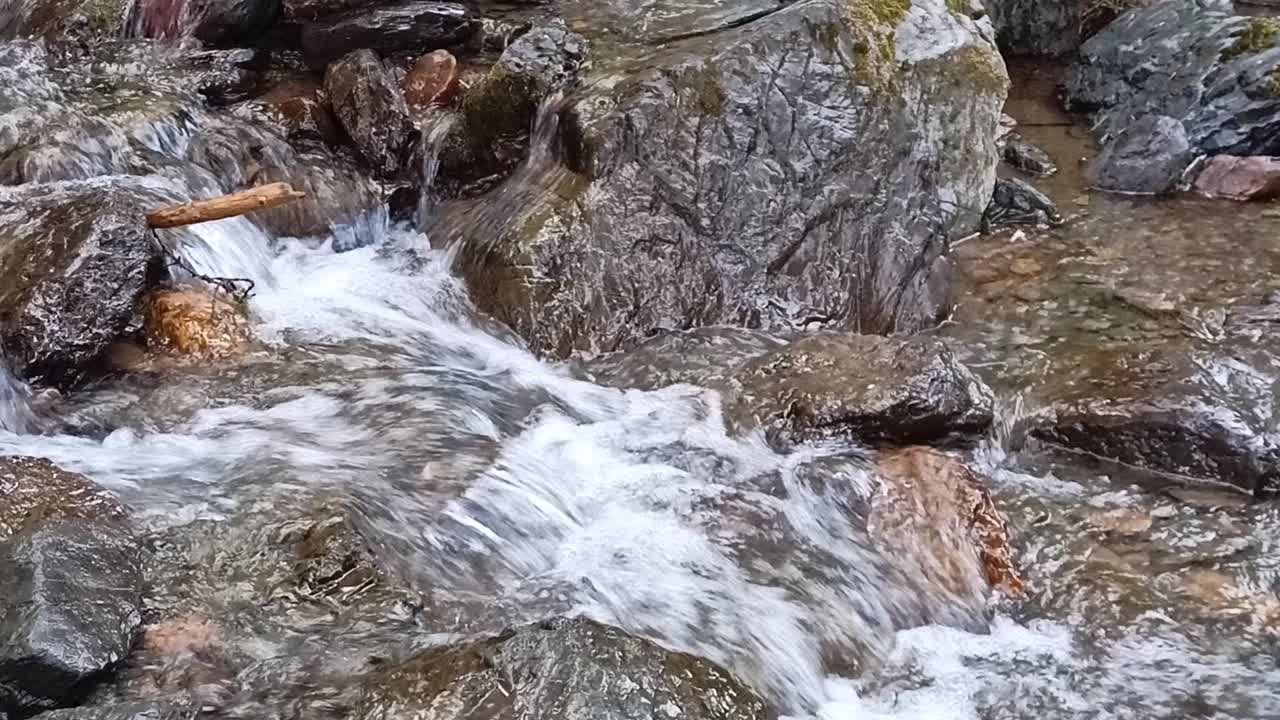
column 225, row 206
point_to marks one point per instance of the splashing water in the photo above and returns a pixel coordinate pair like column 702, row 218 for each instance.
column 15, row 402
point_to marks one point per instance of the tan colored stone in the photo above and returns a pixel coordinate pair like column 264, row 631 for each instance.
column 1025, row 266
column 433, row 80
column 196, row 322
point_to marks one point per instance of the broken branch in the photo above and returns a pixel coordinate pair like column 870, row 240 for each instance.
column 225, row 206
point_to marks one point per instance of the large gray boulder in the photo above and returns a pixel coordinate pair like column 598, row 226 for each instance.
column 1194, row 62
column 75, row 258
column 369, row 105
column 807, row 165
column 1149, row 157
column 70, row 602
column 566, row 669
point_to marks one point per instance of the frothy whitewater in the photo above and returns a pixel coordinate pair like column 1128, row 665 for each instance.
column 505, row 482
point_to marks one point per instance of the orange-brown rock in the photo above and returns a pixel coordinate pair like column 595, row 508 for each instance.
column 935, row 514
column 195, row 321
column 433, row 80
column 302, row 109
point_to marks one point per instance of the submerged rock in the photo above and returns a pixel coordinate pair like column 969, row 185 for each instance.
column 1239, row 178
column 70, row 602
column 1148, row 157
column 566, row 669
column 409, row 27
column 1027, row 157
column 702, row 356
column 369, row 105
column 75, row 258
column 933, row 513
column 731, row 175
column 1197, row 63
column 1017, row 202
column 34, row 491
column 875, row 389
column 126, row 711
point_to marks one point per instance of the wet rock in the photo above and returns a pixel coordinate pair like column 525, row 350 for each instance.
column 433, row 80
column 1052, row 28
column 195, row 322
column 224, row 76
column 296, row 10
column 76, row 258
column 1017, row 202
column 933, row 512
column 302, row 110
column 1027, row 157
column 702, row 356
column 338, row 196
column 867, row 387
column 70, row 601
column 404, row 28
column 1190, row 414
column 733, row 174
column 125, row 711
column 234, row 22
column 569, row 669
column 62, row 19
column 1239, row 178
column 370, row 107
column 1195, row 62
column 1148, row 157
column 34, row 491
column 499, row 110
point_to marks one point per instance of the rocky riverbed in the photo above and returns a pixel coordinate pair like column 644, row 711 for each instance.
column 829, row 359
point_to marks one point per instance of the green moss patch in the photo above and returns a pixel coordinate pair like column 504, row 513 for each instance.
column 1261, row 33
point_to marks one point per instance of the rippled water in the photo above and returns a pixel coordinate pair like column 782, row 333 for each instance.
column 507, row 488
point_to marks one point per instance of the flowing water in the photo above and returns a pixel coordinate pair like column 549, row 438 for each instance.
column 504, row 488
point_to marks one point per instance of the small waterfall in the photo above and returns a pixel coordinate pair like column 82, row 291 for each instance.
column 15, row 402
column 434, row 129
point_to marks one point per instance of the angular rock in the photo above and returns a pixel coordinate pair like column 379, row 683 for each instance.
column 1149, row 157
column 1195, row 62
column 734, row 174
column 126, row 711
column 234, row 22
column 1017, row 202
column 433, row 80
column 338, row 195
column 1190, row 414
column 410, row 27
column 567, row 669
column 70, row 601
column 75, row 258
column 1051, row 28
column 34, row 491
column 1027, row 157
column 898, row 390
column 1239, row 178
column 370, row 107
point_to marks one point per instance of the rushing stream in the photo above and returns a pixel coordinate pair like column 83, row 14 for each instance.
column 504, row 488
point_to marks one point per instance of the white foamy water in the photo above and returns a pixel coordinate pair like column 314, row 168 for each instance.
column 490, row 475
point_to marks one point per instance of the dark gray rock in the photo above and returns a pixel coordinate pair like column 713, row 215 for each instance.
column 899, row 390
column 1052, row 28
column 70, row 602
column 235, row 22
column 1195, row 62
column 368, row 103
column 1017, row 202
column 729, row 178
column 1194, row 414
column 1148, row 157
column 566, row 669
column 125, row 711
column 75, row 258
column 404, row 28
column 1025, row 156
column 35, row 491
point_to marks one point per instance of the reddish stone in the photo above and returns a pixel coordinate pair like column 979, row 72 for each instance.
column 1240, row 178
column 302, row 110
column 433, row 80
